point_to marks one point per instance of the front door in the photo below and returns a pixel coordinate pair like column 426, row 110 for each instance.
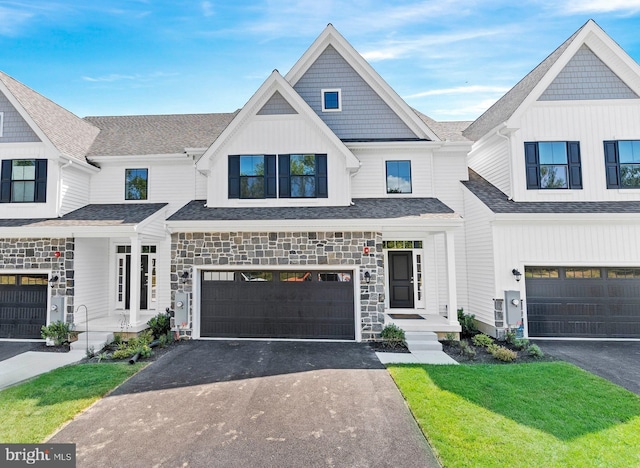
column 401, row 279
column 147, row 285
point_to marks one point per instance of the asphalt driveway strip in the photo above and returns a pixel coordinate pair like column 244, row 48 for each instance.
column 253, row 404
column 616, row 361
column 9, row 349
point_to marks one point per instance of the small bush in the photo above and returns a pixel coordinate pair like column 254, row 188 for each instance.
column 534, row 351
column 468, row 323
column 467, row 350
column 160, row 325
column 503, row 354
column 124, row 353
column 57, row 331
column 492, row 348
column 393, row 336
column 510, row 336
column 450, row 338
column 117, row 339
column 521, row 343
column 482, row 340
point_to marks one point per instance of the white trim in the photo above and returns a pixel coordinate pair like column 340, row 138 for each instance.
column 323, row 100
column 196, row 292
column 1, row 124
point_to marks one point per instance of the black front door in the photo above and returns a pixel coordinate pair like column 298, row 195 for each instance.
column 144, row 281
column 401, row 279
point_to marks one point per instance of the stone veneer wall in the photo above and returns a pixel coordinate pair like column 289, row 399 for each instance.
column 39, row 254
column 190, row 250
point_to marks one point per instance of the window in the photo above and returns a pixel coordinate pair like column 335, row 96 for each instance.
column 331, row 100
column 623, row 273
column 542, row 272
column 553, row 165
column 582, row 273
column 218, row 275
column 252, row 176
column 622, row 162
column 401, row 244
column 302, row 175
column 24, row 181
column 398, row 176
column 135, row 186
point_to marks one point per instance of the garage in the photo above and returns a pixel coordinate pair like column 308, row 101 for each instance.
column 277, row 304
column 583, row 302
column 23, row 305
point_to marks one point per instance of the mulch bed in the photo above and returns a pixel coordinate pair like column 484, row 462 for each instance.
column 382, row 347
column 43, row 348
column 484, row 357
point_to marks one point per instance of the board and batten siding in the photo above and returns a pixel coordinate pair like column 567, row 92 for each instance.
column 491, row 159
column 480, row 261
column 91, row 262
column 588, row 122
column 279, row 134
column 74, row 189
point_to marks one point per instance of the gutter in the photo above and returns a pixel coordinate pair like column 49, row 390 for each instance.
column 509, row 155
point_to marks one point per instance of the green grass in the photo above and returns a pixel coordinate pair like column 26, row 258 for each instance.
column 543, row 415
column 31, row 411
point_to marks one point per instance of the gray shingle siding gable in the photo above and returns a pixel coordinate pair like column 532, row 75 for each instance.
column 277, row 105
column 586, row 77
column 15, row 128
column 364, row 115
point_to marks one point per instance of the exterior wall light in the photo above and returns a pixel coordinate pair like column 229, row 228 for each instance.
column 367, row 277
column 53, row 280
column 184, row 276
column 516, row 274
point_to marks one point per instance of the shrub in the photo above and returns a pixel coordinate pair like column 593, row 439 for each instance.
column 503, row 354
column 492, row 348
column 510, row 336
column 521, row 343
column 482, row 340
column 534, row 351
column 57, row 331
column 160, row 325
column 467, row 350
column 393, row 336
column 450, row 338
column 468, row 323
column 117, row 339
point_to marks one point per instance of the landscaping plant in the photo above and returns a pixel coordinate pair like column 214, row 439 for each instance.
column 535, row 351
column 468, row 323
column 160, row 325
column 482, row 340
column 503, row 354
column 393, row 336
column 58, row 332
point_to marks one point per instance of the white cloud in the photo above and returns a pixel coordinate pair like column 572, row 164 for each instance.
column 12, row 20
column 460, row 90
column 601, row 6
column 113, row 77
column 398, row 184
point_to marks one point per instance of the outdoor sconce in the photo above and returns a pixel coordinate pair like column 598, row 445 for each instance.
column 367, row 277
column 516, row 274
column 184, row 276
column 53, row 279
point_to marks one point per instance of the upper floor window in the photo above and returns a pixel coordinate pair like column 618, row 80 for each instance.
column 135, row 187
column 302, row 175
column 622, row 162
column 553, row 165
column 331, row 100
column 398, row 176
column 24, row 181
column 252, row 176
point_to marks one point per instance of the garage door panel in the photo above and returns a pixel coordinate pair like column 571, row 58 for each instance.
column 301, row 305
column 602, row 307
column 23, row 306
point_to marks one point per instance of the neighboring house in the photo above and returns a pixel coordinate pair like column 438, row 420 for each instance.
column 327, row 207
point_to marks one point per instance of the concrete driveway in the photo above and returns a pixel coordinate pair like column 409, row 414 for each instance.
column 253, row 404
column 616, row 361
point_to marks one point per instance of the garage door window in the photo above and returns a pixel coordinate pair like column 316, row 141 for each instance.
column 295, row 276
column 549, row 273
column 579, row 273
column 8, row 279
column 256, row 276
column 218, row 276
column 624, row 273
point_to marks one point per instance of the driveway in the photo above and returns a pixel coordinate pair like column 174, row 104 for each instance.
column 9, row 349
column 616, row 361
column 253, row 404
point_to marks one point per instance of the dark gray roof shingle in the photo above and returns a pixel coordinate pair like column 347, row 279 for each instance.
column 156, row 134
column 498, row 202
column 362, row 208
column 121, row 214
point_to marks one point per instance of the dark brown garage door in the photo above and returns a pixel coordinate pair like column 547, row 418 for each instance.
column 23, row 305
column 277, row 304
column 583, row 302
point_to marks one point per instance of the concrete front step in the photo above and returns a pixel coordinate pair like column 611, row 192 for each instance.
column 422, row 341
column 97, row 341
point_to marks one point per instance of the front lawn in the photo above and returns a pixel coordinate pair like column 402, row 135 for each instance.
column 31, row 411
column 544, row 414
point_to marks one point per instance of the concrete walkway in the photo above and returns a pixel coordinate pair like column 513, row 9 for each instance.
column 417, row 357
column 32, row 363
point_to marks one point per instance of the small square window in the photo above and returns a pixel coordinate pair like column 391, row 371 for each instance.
column 136, row 184
column 331, row 100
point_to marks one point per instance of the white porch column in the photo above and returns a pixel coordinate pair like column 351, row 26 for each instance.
column 451, row 279
column 134, row 278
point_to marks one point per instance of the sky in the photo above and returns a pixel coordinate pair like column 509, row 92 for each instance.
column 450, row 59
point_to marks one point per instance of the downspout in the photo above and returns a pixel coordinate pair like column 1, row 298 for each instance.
column 59, row 204
column 508, row 139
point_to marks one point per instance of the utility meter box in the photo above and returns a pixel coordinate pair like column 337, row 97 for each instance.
column 181, row 310
column 57, row 311
column 513, row 308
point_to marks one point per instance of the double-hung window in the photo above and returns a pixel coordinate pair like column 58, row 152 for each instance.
column 622, row 163
column 135, row 185
column 302, row 175
column 553, row 165
column 23, row 181
column 398, row 176
column 252, row 176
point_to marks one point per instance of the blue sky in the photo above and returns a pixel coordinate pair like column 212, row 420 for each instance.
column 450, row 59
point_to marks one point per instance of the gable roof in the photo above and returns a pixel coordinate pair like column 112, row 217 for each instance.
column 68, row 133
column 156, row 134
column 331, row 37
column 448, row 130
column 498, row 202
column 276, row 83
column 532, row 86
